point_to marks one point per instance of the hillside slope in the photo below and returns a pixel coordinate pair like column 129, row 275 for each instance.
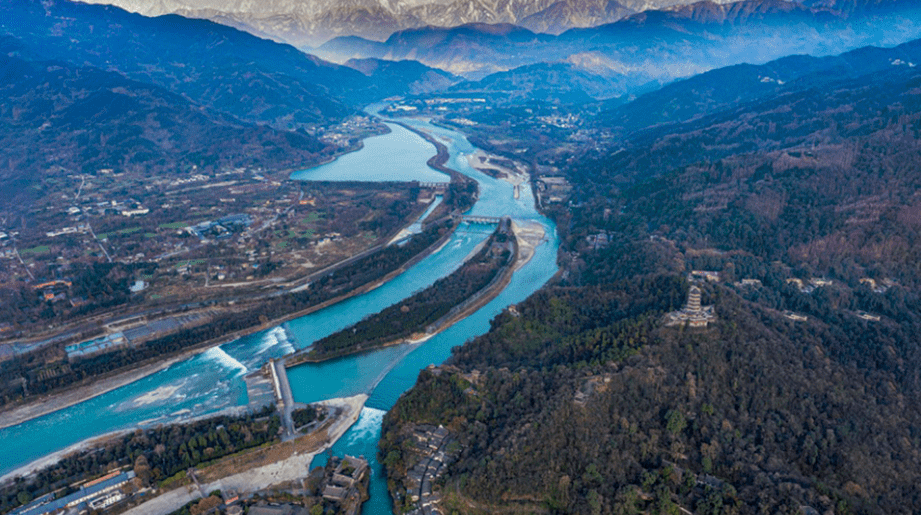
column 58, row 119
column 210, row 64
column 650, row 47
column 801, row 397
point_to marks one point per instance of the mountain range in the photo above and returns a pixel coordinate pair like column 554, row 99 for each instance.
column 649, row 49
column 63, row 118
column 210, row 64
column 687, row 101
column 89, row 87
column 310, row 23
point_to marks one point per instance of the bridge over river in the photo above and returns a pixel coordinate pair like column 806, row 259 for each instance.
column 472, row 219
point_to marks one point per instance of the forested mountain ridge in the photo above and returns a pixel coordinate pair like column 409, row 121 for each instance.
column 403, row 77
column 802, row 397
column 79, row 118
column 839, row 156
column 212, row 65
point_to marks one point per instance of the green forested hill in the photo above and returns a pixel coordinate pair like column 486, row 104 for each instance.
column 80, row 118
column 586, row 403
column 212, row 65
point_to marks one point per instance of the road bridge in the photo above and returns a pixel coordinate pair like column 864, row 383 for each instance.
column 284, row 397
column 481, row 219
column 437, row 186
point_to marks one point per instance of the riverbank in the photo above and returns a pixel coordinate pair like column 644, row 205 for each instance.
column 53, row 458
column 457, row 312
column 15, row 414
column 393, row 371
column 49, row 404
column 529, row 235
column 487, row 163
column 99, row 441
column 441, row 156
column 280, row 463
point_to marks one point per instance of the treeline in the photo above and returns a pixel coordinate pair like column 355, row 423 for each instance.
column 305, row 416
column 353, row 275
column 575, row 326
column 416, row 313
column 97, row 285
column 155, row 454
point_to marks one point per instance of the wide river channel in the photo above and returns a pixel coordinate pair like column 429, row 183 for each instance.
column 212, row 381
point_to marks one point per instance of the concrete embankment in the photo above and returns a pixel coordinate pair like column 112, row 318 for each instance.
column 288, row 461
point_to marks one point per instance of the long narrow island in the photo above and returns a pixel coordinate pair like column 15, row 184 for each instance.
column 477, row 281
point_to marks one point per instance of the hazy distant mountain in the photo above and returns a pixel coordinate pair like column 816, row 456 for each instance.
column 306, row 23
column 690, row 99
column 566, row 14
column 652, row 47
column 547, row 82
column 401, row 77
column 212, row 65
column 473, row 50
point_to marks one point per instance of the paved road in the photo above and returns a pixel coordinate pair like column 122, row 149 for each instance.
column 286, row 397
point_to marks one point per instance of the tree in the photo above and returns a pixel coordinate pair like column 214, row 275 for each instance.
column 142, row 469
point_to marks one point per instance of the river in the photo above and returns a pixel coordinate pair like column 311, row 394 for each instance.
column 212, row 381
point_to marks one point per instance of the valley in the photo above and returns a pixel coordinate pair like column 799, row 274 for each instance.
column 531, row 257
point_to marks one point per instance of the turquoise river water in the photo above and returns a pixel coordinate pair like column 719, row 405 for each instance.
column 212, row 381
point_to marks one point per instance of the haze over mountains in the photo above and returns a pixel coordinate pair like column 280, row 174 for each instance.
column 651, row 48
column 311, row 23
column 213, row 65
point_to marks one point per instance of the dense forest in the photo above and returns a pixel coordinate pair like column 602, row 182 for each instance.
column 582, row 401
column 157, row 455
column 417, row 313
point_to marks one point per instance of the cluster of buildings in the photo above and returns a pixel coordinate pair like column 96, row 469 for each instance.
column 107, row 343
column 433, row 444
column 553, row 189
column 809, row 285
column 54, row 291
column 878, row 287
column 222, row 227
column 77, row 229
column 95, row 495
column 599, row 240
column 565, row 121
column 704, row 276
column 340, row 486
